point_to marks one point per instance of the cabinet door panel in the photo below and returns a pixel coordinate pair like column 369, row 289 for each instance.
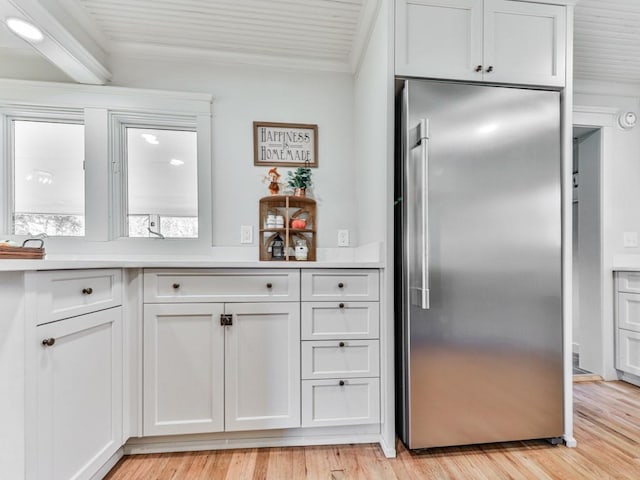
column 439, row 38
column 183, row 369
column 629, row 311
column 524, row 42
column 629, row 351
column 79, row 381
column 262, row 368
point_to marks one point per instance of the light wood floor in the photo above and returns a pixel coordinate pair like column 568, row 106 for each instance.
column 607, row 427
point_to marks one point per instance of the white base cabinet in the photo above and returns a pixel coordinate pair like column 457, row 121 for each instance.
column 236, row 365
column 262, row 366
column 75, row 424
column 628, row 325
column 211, row 367
column 183, row 369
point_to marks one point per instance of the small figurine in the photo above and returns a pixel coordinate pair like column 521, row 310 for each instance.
column 274, row 185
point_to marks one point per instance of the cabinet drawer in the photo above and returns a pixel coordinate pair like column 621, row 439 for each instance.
column 327, row 403
column 340, row 359
column 346, row 320
column 331, row 285
column 629, row 351
column 68, row 293
column 629, row 282
column 173, row 286
column 629, row 311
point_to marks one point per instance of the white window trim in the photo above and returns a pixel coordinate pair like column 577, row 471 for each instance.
column 99, row 106
column 7, row 180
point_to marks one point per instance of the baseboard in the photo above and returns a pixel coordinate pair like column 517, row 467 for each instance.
column 630, row 378
column 586, row 377
column 388, row 450
column 140, row 447
column 570, row 442
column 106, row 468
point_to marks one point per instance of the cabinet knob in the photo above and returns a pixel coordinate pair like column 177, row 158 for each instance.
column 341, row 305
column 490, row 69
column 87, row 291
column 269, row 285
column 176, row 286
column 48, row 342
column 479, row 68
column 341, row 285
column 341, row 383
column 341, row 344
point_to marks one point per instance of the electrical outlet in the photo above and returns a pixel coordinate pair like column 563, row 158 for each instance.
column 630, row 239
column 246, row 234
column 343, row 238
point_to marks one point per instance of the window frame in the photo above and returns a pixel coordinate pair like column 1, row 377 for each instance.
column 106, row 112
column 120, row 122
column 24, row 114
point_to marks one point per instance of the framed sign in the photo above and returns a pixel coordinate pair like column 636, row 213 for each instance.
column 285, row 144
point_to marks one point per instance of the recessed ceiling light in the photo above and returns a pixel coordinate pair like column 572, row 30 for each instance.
column 150, row 138
column 25, row 30
column 175, row 162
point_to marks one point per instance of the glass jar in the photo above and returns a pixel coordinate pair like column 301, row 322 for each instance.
column 301, row 250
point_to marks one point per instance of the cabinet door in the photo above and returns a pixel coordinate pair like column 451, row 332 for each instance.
column 183, row 369
column 629, row 352
column 629, row 311
column 79, row 395
column 262, row 366
column 524, row 42
column 439, row 38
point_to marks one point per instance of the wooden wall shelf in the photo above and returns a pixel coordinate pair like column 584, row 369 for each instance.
column 290, row 208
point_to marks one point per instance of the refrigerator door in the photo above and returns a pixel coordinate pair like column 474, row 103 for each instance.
column 484, row 362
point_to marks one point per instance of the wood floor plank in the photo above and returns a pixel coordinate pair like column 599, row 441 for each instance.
column 607, row 428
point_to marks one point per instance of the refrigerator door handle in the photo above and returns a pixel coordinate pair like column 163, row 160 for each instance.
column 420, row 293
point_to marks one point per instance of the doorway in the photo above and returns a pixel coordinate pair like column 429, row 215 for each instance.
column 587, row 251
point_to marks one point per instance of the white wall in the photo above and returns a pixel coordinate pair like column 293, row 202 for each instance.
column 625, row 167
column 620, row 182
column 28, row 66
column 589, row 266
column 371, row 139
column 244, row 94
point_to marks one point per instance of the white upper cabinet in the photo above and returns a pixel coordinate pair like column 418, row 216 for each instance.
column 439, row 38
column 501, row 41
column 524, row 42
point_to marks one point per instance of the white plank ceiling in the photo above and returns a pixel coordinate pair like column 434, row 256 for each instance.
column 310, row 34
column 324, row 33
column 607, row 40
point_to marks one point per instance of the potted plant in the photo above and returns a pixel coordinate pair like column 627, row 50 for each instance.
column 299, row 180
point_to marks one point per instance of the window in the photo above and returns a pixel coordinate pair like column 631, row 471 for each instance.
column 162, row 183
column 94, row 166
column 48, row 178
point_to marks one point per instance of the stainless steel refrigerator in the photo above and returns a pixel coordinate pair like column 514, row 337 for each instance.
column 478, row 230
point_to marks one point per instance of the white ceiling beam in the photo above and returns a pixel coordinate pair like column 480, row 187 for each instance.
column 65, row 43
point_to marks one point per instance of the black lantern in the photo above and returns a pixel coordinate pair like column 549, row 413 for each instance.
column 277, row 248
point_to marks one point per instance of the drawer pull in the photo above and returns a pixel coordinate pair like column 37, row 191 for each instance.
column 48, row 342
column 341, row 383
column 269, row 285
column 176, row 286
column 87, row 291
column 341, row 285
column 478, row 68
column 341, row 344
column 341, row 305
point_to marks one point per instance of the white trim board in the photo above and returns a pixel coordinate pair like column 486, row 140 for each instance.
column 69, row 95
